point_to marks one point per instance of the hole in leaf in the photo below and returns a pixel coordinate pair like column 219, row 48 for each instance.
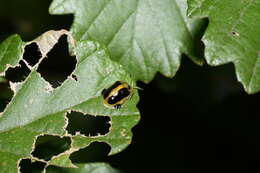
column 48, row 146
column 17, row 74
column 58, row 64
column 95, row 152
column 6, row 95
column 87, row 124
column 32, row 54
column 74, row 77
column 234, row 33
column 27, row 166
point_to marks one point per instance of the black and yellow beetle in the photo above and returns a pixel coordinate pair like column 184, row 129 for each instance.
column 117, row 94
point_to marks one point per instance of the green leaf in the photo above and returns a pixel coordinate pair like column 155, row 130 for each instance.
column 146, row 36
column 232, row 36
column 38, row 109
column 11, row 51
column 85, row 168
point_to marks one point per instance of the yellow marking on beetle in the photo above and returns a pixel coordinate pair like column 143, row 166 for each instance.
column 117, row 95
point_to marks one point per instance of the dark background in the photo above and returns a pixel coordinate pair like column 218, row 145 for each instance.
column 200, row 121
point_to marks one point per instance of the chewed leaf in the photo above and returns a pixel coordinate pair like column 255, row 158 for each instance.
column 146, row 36
column 36, row 108
column 86, row 168
column 235, row 39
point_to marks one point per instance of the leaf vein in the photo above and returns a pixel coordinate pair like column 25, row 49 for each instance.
column 95, row 17
column 242, row 13
column 162, row 37
column 119, row 28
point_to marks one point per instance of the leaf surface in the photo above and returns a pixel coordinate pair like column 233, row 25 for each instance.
column 38, row 109
column 11, row 51
column 232, row 36
column 146, row 36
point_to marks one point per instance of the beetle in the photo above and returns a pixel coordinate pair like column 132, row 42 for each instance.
column 117, row 94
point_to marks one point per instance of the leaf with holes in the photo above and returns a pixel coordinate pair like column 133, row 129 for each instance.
column 85, row 168
column 36, row 108
column 232, row 36
column 146, row 36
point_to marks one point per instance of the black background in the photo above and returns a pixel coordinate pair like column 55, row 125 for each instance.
column 200, row 121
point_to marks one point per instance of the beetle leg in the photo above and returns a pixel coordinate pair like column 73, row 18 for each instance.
column 117, row 106
column 103, row 91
